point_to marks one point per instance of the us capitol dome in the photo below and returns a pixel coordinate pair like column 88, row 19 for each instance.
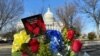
column 50, row 22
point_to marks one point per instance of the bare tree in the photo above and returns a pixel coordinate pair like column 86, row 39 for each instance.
column 78, row 24
column 66, row 14
column 92, row 9
column 9, row 11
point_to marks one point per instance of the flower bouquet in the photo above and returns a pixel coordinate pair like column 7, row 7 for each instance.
column 39, row 41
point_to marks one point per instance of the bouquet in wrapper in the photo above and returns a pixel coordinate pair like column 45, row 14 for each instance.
column 36, row 40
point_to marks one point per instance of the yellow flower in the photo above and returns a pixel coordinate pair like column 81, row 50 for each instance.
column 19, row 39
column 64, row 33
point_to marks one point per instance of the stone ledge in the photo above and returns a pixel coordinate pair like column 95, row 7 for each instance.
column 87, row 43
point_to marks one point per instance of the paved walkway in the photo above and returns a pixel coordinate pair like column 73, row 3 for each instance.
column 5, row 49
column 89, row 43
column 92, row 48
column 5, row 46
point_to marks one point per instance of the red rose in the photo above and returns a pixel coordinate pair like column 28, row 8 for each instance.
column 41, row 25
column 34, row 45
column 32, row 28
column 35, row 48
column 34, row 25
column 76, row 46
column 36, row 31
column 70, row 34
column 38, row 23
column 24, row 54
column 29, row 26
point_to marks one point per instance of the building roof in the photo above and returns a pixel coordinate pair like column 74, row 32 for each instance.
column 48, row 16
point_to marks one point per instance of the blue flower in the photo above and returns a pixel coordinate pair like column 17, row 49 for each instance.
column 55, row 38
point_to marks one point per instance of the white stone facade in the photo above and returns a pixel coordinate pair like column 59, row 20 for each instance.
column 19, row 25
column 51, row 24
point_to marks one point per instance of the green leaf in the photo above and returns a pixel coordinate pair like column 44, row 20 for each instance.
column 72, row 53
column 16, row 54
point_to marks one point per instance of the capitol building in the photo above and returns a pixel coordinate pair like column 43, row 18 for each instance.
column 49, row 20
column 51, row 23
